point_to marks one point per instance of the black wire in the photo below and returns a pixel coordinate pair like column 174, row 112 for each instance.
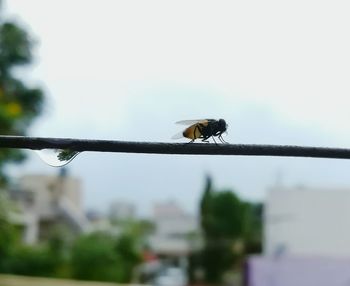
column 37, row 143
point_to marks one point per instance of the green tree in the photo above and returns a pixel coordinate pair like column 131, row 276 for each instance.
column 253, row 227
column 59, row 245
column 228, row 224
column 20, row 104
column 94, row 258
column 206, row 208
column 8, row 234
column 102, row 257
column 126, row 248
column 32, row 261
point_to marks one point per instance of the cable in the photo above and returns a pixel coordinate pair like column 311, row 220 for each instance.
column 80, row 145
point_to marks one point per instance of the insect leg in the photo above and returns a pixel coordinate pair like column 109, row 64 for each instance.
column 214, row 139
column 205, row 139
column 222, row 139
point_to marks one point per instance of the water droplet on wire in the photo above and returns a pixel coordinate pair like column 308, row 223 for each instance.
column 57, row 157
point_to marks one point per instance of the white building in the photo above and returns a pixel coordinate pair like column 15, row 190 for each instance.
column 307, row 239
column 307, row 222
column 175, row 237
column 122, row 210
column 47, row 201
column 173, row 229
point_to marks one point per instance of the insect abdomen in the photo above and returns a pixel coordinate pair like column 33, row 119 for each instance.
column 192, row 132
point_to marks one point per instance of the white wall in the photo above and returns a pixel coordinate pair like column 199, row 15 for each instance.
column 304, row 221
column 48, row 188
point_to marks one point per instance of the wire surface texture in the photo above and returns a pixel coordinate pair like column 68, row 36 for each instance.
column 80, row 145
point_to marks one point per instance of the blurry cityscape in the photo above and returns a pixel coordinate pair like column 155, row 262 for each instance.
column 278, row 73
column 298, row 235
column 171, row 247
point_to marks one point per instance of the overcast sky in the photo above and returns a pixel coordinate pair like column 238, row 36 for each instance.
column 277, row 71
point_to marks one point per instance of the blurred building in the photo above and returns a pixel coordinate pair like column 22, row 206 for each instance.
column 122, row 210
column 307, row 221
column 100, row 222
column 45, row 202
column 307, row 234
column 174, row 238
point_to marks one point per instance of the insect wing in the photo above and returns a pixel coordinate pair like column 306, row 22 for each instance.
column 178, row 135
column 194, row 121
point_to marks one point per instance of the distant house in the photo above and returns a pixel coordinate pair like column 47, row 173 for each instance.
column 174, row 238
column 307, row 221
column 122, row 210
column 45, row 202
column 100, row 222
column 307, row 235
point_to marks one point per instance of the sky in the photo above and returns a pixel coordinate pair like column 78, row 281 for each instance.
column 277, row 71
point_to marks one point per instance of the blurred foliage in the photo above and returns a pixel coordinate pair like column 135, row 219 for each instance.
column 32, row 261
column 126, row 248
column 59, row 245
column 46, row 259
column 253, row 227
column 138, row 229
column 19, row 103
column 8, row 233
column 96, row 256
column 113, row 258
column 67, row 155
column 231, row 229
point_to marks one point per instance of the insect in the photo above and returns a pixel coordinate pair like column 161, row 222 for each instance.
column 203, row 129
